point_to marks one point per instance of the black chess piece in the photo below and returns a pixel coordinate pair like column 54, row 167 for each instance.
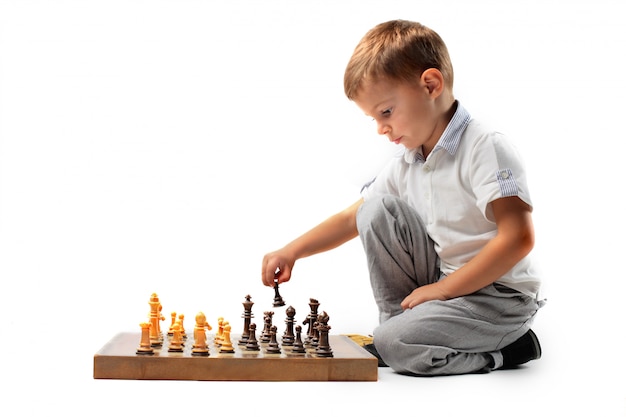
column 273, row 347
column 323, row 348
column 312, row 335
column 247, row 316
column 265, row 334
column 252, row 344
column 298, row 346
column 288, row 336
column 278, row 300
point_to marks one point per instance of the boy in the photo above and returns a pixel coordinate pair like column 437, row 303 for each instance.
column 446, row 227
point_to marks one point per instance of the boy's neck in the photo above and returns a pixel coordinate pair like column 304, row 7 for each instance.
column 448, row 108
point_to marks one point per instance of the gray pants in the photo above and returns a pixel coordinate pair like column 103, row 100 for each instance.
column 457, row 336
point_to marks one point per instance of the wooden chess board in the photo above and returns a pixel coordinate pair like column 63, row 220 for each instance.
column 118, row 360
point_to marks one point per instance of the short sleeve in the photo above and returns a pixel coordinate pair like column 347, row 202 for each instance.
column 497, row 171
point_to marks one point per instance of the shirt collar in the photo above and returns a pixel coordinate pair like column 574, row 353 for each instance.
column 450, row 138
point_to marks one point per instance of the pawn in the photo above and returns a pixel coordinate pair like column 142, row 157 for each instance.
column 273, row 347
column 288, row 336
column 176, row 343
column 227, row 344
column 144, row 345
column 219, row 336
column 181, row 319
column 252, row 344
column 170, row 332
column 298, row 345
column 200, row 347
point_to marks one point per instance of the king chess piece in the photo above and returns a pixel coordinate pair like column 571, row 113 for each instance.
column 156, row 338
column 247, row 318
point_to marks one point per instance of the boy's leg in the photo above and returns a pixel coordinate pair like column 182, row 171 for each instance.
column 462, row 335
column 457, row 336
column 400, row 255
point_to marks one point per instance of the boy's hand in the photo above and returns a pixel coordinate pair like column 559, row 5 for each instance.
column 422, row 294
column 276, row 266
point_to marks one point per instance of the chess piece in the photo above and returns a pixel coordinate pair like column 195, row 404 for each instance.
column 181, row 319
column 156, row 338
column 144, row 345
column 247, row 316
column 298, row 345
column 265, row 334
column 288, row 336
column 219, row 336
column 311, row 319
column 323, row 348
column 252, row 343
column 278, row 300
column 200, row 347
column 176, row 342
column 170, row 332
column 227, row 345
column 273, row 347
column 161, row 318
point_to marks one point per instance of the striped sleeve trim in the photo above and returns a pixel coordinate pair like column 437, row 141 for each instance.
column 506, row 181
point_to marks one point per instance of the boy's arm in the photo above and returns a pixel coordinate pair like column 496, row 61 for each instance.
column 329, row 234
column 513, row 241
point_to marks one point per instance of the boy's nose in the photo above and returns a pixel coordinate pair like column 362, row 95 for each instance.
column 383, row 128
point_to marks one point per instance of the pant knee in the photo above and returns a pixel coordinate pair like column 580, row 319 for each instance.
column 375, row 209
column 386, row 340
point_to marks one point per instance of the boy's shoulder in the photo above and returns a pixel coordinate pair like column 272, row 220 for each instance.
column 478, row 133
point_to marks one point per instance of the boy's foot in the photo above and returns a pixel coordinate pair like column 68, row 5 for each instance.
column 524, row 349
column 372, row 349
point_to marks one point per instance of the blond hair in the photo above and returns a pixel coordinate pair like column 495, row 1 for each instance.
column 397, row 50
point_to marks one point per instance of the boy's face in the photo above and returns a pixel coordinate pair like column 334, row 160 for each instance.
column 406, row 113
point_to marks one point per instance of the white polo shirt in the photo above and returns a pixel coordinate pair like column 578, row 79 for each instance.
column 452, row 189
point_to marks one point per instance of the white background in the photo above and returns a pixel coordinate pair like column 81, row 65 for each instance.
column 166, row 146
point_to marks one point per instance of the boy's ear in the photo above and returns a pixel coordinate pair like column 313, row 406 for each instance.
column 433, row 80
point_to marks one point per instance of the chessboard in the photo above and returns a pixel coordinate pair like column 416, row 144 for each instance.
column 220, row 356
column 118, row 360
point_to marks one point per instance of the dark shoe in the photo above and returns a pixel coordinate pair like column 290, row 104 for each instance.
column 524, row 349
column 372, row 349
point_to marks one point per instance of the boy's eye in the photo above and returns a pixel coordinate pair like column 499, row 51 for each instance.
column 384, row 113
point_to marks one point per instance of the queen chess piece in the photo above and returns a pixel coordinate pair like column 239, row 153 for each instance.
column 312, row 333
